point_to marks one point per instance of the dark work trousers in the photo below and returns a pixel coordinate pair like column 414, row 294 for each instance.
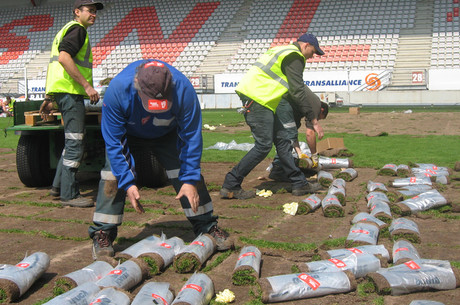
column 266, row 129
column 111, row 200
column 72, row 108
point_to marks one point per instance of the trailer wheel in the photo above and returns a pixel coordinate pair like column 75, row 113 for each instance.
column 33, row 161
column 149, row 171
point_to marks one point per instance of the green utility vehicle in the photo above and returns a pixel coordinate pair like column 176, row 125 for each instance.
column 40, row 146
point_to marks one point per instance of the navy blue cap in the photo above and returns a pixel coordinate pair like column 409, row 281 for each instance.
column 80, row 3
column 311, row 39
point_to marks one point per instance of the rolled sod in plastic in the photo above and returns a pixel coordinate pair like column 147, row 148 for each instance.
column 140, row 247
column 431, row 167
column 347, row 174
column 247, row 267
column 376, row 196
column 368, row 218
column 112, row 295
column 80, row 295
column 334, row 163
column 378, row 251
column 403, row 228
column 375, row 186
column 325, row 178
column 425, row 302
column 305, row 285
column 199, row 289
column 424, row 201
column 415, row 276
column 16, row 280
column 431, row 172
column 126, row 275
column 90, row 273
column 154, row 293
column 362, row 234
column 381, row 210
column 404, row 251
column 413, row 190
column 308, row 205
column 400, row 182
column 339, row 192
column 192, row 257
column 332, row 207
column 388, row 170
column 162, row 255
column 359, row 264
column 403, row 170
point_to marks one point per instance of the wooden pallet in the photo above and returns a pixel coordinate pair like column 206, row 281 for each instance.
column 33, row 118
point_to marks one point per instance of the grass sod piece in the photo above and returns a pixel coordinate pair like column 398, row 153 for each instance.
column 347, row 175
column 244, row 275
column 400, row 209
column 325, row 182
column 186, row 262
column 334, row 211
column 63, row 284
column 409, row 235
column 9, row 291
column 387, row 171
column 154, row 261
column 382, row 286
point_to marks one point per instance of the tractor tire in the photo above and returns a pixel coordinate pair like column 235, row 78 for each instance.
column 33, row 160
column 149, row 171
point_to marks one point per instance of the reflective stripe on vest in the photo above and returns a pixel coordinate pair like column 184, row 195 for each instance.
column 57, row 78
column 265, row 82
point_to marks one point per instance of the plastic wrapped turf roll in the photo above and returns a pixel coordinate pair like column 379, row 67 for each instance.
column 112, row 295
column 140, row 247
column 425, row 302
column 388, row 170
column 247, row 267
column 325, row 178
column 403, row 170
column 305, row 285
column 308, row 205
column 377, row 250
column 90, row 273
column 192, row 256
column 338, row 191
column 334, row 163
column 415, row 276
column 403, row 228
column 375, row 186
column 126, row 275
column 423, row 201
column 413, row 190
column 381, row 210
column 356, row 263
column 368, row 218
column 348, row 174
column 162, row 255
column 401, row 182
column 80, row 295
column 154, row 293
column 332, row 207
column 16, row 280
column 404, row 251
column 198, row 290
column 362, row 234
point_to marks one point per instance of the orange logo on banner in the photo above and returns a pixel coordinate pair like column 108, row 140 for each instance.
column 373, row 82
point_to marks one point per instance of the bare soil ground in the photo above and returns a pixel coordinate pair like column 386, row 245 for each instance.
column 31, row 220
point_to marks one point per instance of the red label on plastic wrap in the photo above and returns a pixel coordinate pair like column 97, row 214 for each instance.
column 197, row 242
column 412, row 265
column 156, row 296
column 413, row 179
column 246, row 254
column 401, row 249
column 95, row 302
column 117, row 271
column 314, row 284
column 192, row 286
column 373, row 207
column 333, row 160
column 23, row 265
column 314, row 201
column 165, row 245
column 354, row 250
column 338, row 263
column 360, row 231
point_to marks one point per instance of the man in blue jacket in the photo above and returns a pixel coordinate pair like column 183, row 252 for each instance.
column 150, row 103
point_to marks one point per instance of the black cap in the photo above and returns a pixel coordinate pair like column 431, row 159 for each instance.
column 311, row 39
column 154, row 80
column 80, row 3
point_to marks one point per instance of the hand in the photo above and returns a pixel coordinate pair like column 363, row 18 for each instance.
column 319, row 130
column 315, row 160
column 46, row 109
column 189, row 191
column 93, row 95
column 133, row 196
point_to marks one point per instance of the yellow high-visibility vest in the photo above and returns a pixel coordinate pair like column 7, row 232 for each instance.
column 265, row 82
column 57, row 79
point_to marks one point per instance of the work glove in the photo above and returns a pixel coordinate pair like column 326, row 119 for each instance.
column 315, row 160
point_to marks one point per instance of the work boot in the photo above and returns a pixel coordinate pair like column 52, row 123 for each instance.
column 102, row 244
column 308, row 188
column 78, row 202
column 55, row 191
column 223, row 241
column 236, row 194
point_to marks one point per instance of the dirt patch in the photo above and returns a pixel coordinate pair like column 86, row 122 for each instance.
column 31, row 220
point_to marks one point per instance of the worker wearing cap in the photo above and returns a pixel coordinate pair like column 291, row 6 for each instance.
column 276, row 75
column 69, row 80
column 151, row 104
